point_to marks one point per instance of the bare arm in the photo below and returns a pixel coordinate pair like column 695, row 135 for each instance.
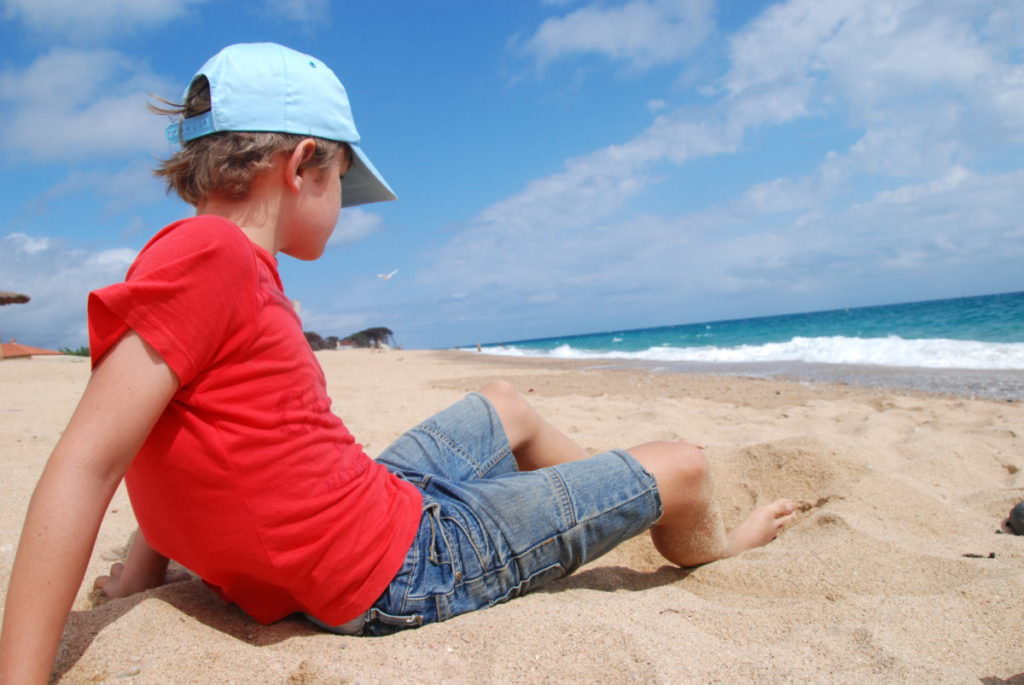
column 124, row 398
column 144, row 568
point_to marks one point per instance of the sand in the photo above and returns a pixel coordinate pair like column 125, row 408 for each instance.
column 894, row 573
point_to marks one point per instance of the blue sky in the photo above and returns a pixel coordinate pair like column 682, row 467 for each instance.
column 562, row 166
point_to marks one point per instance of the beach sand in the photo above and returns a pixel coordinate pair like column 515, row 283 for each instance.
column 872, row 583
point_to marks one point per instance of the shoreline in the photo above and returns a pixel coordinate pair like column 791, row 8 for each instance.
column 991, row 384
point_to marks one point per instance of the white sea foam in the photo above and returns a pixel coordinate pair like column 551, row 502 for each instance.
column 891, row 351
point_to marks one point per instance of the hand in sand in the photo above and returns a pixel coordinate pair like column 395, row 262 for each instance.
column 760, row 527
column 119, row 584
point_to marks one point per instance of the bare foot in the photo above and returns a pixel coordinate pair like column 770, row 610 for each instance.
column 760, row 527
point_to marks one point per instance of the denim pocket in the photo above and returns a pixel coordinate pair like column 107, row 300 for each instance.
column 473, row 554
column 437, row 566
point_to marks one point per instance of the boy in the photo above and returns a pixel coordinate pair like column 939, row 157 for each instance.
column 206, row 397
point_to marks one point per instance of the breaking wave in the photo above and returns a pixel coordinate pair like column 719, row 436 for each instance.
column 890, row 351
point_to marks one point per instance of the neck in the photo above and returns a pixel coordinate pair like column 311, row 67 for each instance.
column 258, row 215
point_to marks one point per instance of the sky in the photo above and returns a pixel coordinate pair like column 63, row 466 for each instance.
column 562, row 166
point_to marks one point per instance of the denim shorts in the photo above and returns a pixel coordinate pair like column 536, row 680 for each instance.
column 490, row 532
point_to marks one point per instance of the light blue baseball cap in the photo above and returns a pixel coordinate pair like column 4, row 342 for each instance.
column 268, row 87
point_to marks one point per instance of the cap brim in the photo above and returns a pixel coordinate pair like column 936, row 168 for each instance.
column 363, row 184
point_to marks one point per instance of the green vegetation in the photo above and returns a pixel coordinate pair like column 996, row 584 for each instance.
column 370, row 337
column 315, row 340
column 82, row 351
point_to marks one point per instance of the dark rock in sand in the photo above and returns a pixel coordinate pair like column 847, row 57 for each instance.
column 1016, row 520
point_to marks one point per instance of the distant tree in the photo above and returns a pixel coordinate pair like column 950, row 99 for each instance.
column 315, row 341
column 372, row 337
column 75, row 352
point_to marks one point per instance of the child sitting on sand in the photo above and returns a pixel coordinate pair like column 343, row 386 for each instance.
column 207, row 399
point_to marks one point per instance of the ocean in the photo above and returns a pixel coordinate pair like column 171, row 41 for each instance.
column 972, row 346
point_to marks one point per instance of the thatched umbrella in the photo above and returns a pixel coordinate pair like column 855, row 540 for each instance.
column 7, row 297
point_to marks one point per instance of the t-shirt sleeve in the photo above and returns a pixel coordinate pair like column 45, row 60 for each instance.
column 189, row 289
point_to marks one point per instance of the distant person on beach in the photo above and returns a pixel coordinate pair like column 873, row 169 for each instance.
column 207, row 399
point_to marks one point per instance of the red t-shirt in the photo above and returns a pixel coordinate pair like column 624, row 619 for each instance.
column 248, row 478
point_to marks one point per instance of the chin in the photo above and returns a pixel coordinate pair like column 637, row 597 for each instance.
column 305, row 255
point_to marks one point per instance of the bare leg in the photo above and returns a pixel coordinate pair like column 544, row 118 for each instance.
column 535, row 442
column 690, row 531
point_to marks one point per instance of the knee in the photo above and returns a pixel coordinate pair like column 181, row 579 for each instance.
column 505, row 398
column 516, row 414
column 681, row 470
column 499, row 389
column 690, row 468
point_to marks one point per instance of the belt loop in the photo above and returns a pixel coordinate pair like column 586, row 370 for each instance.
column 429, row 513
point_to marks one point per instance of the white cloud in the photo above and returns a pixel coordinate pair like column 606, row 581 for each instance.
column 878, row 61
column 924, row 87
column 906, row 48
column 959, row 220
column 131, row 186
column 781, row 195
column 570, row 206
column 96, row 18
column 301, row 11
column 519, row 261
column 58, row 279
column 1008, row 98
column 1004, row 25
column 910, row 147
column 354, row 224
column 927, row 88
column 20, row 242
column 760, row 56
column 639, row 33
column 799, row 59
column 899, row 150
column 556, row 224
column 332, row 323
column 962, row 218
column 953, row 179
column 71, row 103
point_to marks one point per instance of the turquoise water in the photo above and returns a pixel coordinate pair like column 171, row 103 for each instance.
column 964, row 338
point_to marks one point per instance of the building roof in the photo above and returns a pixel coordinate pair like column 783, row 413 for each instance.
column 14, row 350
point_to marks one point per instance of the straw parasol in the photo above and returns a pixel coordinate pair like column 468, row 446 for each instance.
column 7, row 297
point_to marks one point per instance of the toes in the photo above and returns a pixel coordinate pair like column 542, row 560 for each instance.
column 782, row 511
column 782, row 507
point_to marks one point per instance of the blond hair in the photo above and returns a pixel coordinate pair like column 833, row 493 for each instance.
column 227, row 162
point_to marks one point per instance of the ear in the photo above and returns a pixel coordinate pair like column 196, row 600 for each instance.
column 294, row 170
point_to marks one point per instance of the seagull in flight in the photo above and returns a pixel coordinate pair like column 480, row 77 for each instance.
column 387, row 277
